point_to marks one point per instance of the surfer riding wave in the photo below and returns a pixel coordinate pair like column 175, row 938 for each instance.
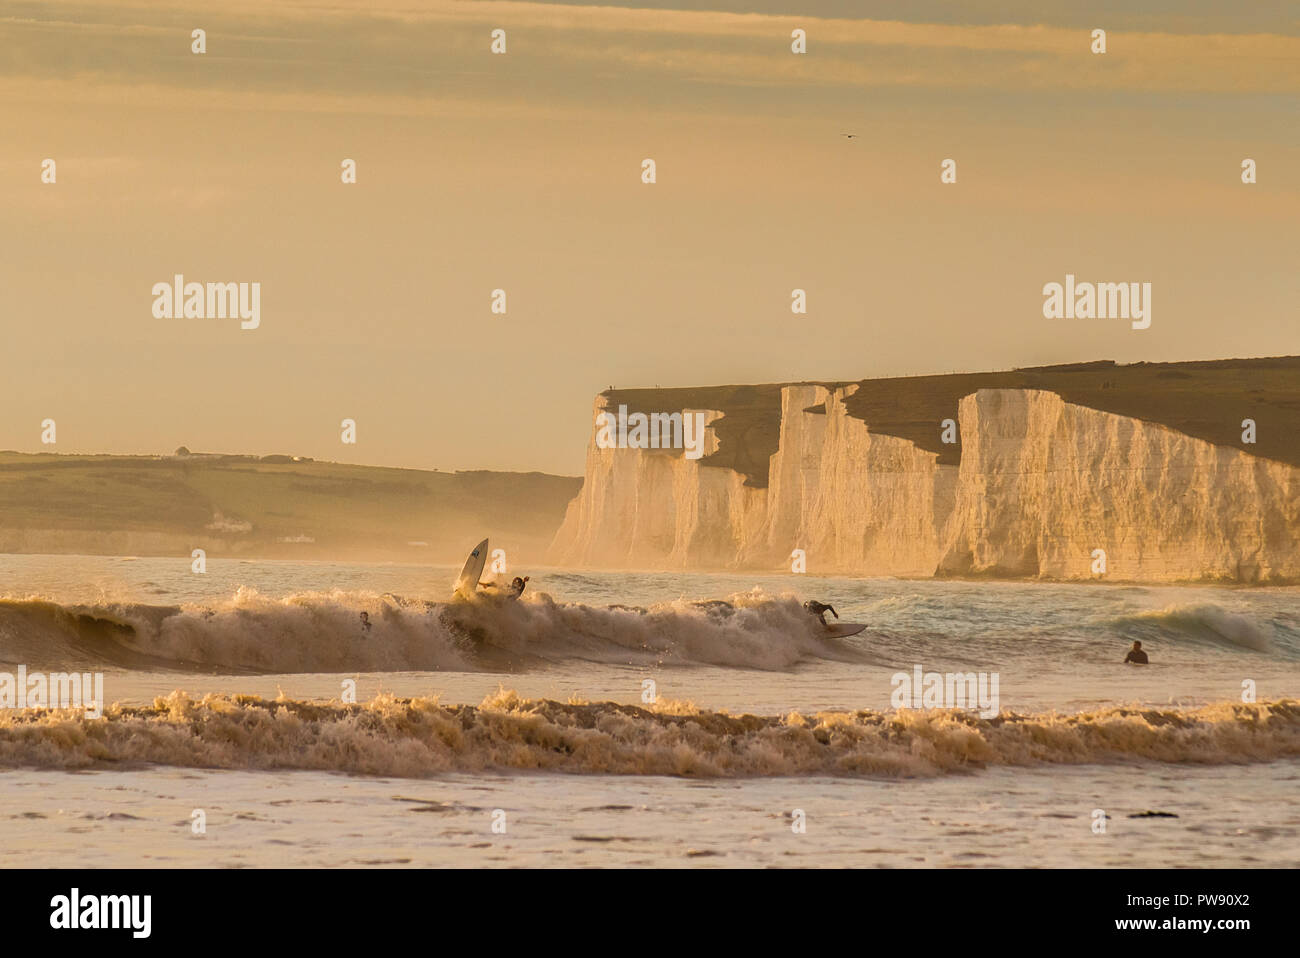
column 819, row 609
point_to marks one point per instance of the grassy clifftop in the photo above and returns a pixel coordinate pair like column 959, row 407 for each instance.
column 271, row 507
column 1206, row 400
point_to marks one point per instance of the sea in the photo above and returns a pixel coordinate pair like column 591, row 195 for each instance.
column 315, row 714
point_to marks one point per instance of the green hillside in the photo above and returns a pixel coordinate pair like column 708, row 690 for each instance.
column 272, row 506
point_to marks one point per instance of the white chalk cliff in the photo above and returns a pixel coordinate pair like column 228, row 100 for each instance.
column 1041, row 485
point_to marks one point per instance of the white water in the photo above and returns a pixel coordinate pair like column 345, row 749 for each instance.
column 1056, row 648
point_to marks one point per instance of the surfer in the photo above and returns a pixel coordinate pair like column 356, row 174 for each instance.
column 514, row 590
column 819, row 609
column 1136, row 655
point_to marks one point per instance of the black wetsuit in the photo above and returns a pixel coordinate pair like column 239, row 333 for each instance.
column 820, row 609
column 1137, row 657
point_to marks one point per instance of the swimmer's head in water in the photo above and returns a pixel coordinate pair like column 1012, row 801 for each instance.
column 1137, row 644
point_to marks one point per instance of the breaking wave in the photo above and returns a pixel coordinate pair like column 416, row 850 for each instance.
column 1203, row 622
column 421, row 737
column 351, row 632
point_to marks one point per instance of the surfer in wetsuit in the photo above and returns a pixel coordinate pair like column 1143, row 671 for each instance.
column 820, row 609
column 1136, row 655
column 514, row 590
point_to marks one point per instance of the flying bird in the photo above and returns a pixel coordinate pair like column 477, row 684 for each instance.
column 849, row 136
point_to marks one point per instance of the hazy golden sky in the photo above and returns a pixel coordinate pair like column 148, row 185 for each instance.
column 522, row 171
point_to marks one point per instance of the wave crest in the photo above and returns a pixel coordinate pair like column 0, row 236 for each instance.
column 420, row 737
column 1203, row 621
column 352, row 632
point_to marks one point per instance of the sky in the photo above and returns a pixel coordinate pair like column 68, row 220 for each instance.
column 522, row 171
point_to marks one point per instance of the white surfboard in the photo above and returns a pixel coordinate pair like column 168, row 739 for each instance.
column 467, row 581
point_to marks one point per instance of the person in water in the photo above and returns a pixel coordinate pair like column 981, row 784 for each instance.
column 820, row 609
column 1136, row 655
column 514, row 590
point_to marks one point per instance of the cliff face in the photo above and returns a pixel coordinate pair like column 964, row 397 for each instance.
column 654, row 509
column 1040, row 484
